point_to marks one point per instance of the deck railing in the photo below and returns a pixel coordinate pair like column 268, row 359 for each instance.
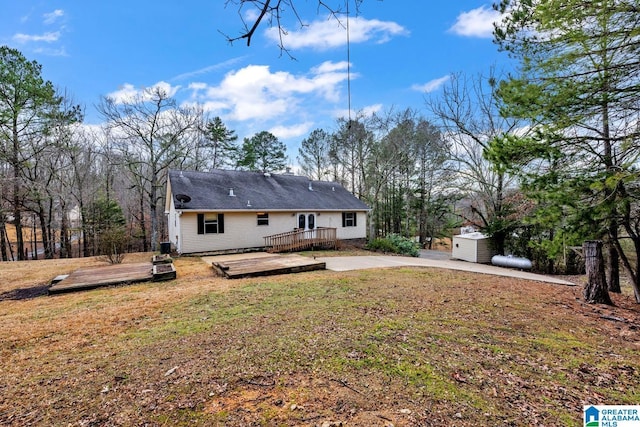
column 301, row 239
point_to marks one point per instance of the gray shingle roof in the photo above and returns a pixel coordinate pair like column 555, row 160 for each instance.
column 210, row 191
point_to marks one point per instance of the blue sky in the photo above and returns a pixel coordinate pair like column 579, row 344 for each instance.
column 400, row 51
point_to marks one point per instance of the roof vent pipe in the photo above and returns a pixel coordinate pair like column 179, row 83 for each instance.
column 310, row 186
column 231, row 194
column 248, row 203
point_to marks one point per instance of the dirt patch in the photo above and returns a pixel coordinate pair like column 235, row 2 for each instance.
column 306, row 400
column 25, row 293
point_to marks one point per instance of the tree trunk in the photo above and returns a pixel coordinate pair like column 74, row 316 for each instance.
column 34, row 239
column 65, row 245
column 631, row 271
column 143, row 226
column 4, row 240
column 613, row 269
column 50, row 249
column 153, row 212
column 84, row 234
column 46, row 243
column 17, row 222
column 595, row 290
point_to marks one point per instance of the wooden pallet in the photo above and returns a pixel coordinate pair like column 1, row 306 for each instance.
column 266, row 265
column 95, row 277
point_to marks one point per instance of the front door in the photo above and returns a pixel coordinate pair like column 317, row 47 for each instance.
column 307, row 222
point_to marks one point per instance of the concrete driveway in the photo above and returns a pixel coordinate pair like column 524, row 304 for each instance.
column 435, row 259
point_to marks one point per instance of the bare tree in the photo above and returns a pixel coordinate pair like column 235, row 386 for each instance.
column 83, row 177
column 468, row 114
column 149, row 132
column 407, row 177
column 313, row 154
column 350, row 150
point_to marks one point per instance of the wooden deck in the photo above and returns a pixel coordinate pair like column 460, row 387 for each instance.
column 252, row 265
column 95, row 277
column 321, row 237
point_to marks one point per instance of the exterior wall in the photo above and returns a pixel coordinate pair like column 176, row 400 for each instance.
column 241, row 229
column 484, row 253
column 464, row 249
column 173, row 226
column 334, row 220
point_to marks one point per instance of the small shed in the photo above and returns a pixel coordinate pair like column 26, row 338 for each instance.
column 472, row 247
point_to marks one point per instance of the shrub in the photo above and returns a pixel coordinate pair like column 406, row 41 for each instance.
column 396, row 244
column 113, row 244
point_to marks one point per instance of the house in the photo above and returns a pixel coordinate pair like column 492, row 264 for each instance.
column 232, row 210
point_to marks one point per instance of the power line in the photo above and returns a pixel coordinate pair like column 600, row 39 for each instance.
column 348, row 67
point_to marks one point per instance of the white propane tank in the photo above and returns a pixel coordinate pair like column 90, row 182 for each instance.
column 511, row 261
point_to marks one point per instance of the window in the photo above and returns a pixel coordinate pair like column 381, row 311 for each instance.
column 210, row 223
column 263, row 218
column 349, row 219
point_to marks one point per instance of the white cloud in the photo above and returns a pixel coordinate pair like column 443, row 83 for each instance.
column 48, row 37
column 285, row 132
column 476, row 23
column 369, row 110
column 196, row 86
column 51, row 52
column 331, row 33
column 431, row 86
column 50, row 18
column 329, row 66
column 129, row 93
column 256, row 93
column 251, row 15
column 125, row 93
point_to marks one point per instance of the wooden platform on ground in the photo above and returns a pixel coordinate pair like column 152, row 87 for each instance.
column 95, row 277
column 264, row 265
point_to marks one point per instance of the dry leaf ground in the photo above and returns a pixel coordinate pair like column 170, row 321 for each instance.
column 401, row 347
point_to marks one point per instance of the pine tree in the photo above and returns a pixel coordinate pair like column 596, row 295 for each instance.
column 221, row 142
column 27, row 104
column 263, row 152
column 578, row 87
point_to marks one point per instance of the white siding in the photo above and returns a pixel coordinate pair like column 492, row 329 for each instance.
column 484, row 251
column 334, row 220
column 241, row 229
column 173, row 222
column 472, row 247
